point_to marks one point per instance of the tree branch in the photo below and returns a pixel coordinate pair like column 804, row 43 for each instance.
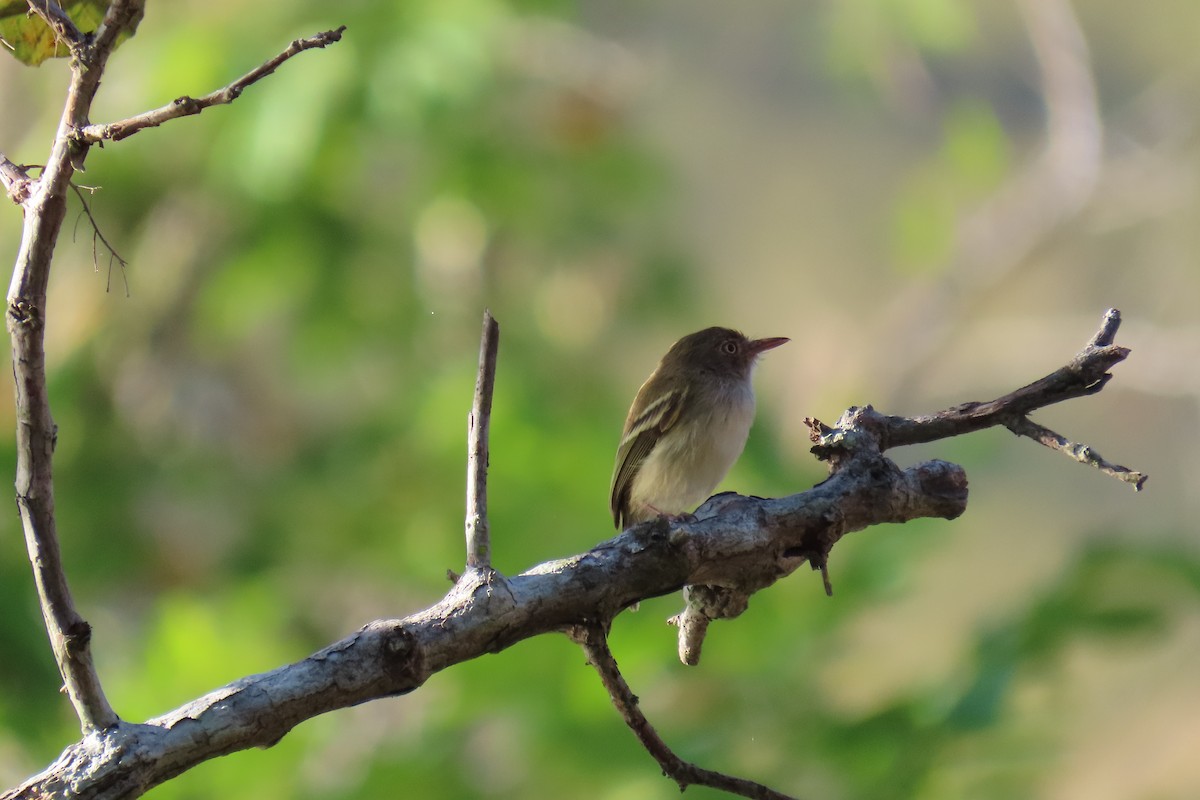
column 45, row 203
column 1084, row 454
column 122, row 17
column 594, row 642
column 187, row 106
column 479, row 546
column 747, row 542
column 45, row 206
column 732, row 547
column 1086, row 374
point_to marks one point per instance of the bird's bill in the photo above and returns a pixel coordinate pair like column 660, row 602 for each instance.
column 763, row 345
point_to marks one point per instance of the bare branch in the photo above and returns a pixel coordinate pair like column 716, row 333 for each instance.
column 1023, row 426
column 45, row 203
column 46, row 206
column 814, row 521
column 854, row 447
column 1106, row 334
column 734, row 540
column 479, row 547
column 187, row 106
column 595, row 644
column 732, row 547
column 1086, row 374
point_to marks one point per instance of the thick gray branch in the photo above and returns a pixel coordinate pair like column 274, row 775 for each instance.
column 750, row 542
column 731, row 548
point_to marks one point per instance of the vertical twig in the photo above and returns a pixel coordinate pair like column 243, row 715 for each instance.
column 479, row 548
column 45, row 208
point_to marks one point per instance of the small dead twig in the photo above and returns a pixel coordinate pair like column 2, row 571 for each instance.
column 113, row 255
column 1084, row 454
column 594, row 641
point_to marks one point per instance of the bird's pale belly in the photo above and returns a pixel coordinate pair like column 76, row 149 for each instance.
column 682, row 472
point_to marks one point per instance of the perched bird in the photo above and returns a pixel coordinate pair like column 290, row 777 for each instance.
column 687, row 425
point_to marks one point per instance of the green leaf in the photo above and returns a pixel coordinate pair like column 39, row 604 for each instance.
column 32, row 41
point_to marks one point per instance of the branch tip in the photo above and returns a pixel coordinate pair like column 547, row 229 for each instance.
column 479, row 548
column 1107, row 333
column 1076, row 451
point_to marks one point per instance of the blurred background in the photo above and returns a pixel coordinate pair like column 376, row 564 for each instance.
column 262, row 417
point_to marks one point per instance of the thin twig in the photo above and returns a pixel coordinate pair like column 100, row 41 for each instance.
column 594, row 642
column 97, row 235
column 1086, row 374
column 479, row 547
column 187, row 106
column 1084, row 454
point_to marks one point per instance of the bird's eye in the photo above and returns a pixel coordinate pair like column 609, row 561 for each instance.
column 729, row 347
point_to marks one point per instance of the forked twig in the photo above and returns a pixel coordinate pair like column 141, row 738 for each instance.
column 97, row 235
column 1086, row 374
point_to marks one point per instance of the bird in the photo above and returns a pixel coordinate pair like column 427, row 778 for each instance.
column 687, row 426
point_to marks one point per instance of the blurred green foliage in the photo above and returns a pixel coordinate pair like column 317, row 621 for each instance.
column 262, row 445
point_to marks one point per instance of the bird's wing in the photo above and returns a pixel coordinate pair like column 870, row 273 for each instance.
column 641, row 434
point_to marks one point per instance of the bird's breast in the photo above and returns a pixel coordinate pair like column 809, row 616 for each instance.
column 687, row 464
